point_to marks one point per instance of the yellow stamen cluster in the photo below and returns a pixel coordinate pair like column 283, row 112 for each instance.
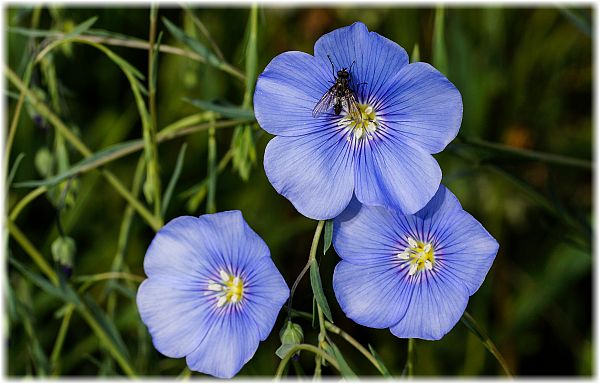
column 418, row 256
column 362, row 124
column 229, row 290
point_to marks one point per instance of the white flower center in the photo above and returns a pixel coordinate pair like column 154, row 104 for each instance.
column 229, row 290
column 418, row 256
column 361, row 125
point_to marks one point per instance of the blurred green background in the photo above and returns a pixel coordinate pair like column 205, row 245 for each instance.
column 526, row 80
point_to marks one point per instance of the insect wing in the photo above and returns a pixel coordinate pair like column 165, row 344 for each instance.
column 351, row 103
column 325, row 103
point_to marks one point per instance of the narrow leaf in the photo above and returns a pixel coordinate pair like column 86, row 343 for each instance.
column 107, row 325
column 345, row 369
column 317, row 288
column 386, row 372
column 14, row 168
column 64, row 293
column 223, row 110
column 327, row 236
column 174, row 178
column 193, row 44
column 80, row 28
column 472, row 325
column 96, row 160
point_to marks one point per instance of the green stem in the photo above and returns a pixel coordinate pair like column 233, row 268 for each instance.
column 211, row 205
column 338, row 331
column 528, row 154
column 25, row 201
column 304, row 347
column 410, row 358
column 155, row 223
column 35, row 255
column 60, row 338
column 312, row 256
column 153, row 166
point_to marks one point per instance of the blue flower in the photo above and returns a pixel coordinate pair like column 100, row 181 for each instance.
column 410, row 273
column 212, row 292
column 381, row 154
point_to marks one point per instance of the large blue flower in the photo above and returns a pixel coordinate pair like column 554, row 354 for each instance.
column 410, row 273
column 382, row 154
column 212, row 292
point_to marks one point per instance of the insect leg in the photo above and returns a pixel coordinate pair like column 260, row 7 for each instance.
column 332, row 67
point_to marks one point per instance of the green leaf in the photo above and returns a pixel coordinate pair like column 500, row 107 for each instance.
column 78, row 30
column 15, row 167
column 386, row 372
column 96, row 160
column 232, row 112
column 440, row 60
column 82, row 27
column 317, row 288
column 107, row 325
column 327, row 236
column 174, row 178
column 64, row 293
column 193, row 44
column 345, row 369
column 472, row 325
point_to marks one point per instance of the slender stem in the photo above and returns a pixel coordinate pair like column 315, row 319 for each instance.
column 305, row 347
column 141, row 44
column 338, row 331
column 15, row 120
column 60, row 338
column 109, row 276
column 295, row 285
column 153, row 167
column 312, row 256
column 35, row 255
column 410, row 357
column 528, row 154
column 25, row 201
column 211, row 204
column 154, row 222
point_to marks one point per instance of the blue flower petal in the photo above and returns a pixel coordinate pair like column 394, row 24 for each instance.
column 201, row 246
column 376, row 58
column 375, row 295
column 395, row 175
column 230, row 342
column 436, row 305
column 421, row 107
column 264, row 295
column 315, row 172
column 288, row 90
column 462, row 245
column 174, row 316
column 364, row 235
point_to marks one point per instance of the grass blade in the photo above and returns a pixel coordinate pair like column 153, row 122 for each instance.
column 345, row 369
column 193, row 44
column 382, row 367
column 223, row 110
column 174, row 178
column 472, row 325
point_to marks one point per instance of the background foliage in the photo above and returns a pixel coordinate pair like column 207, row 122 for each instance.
column 521, row 165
